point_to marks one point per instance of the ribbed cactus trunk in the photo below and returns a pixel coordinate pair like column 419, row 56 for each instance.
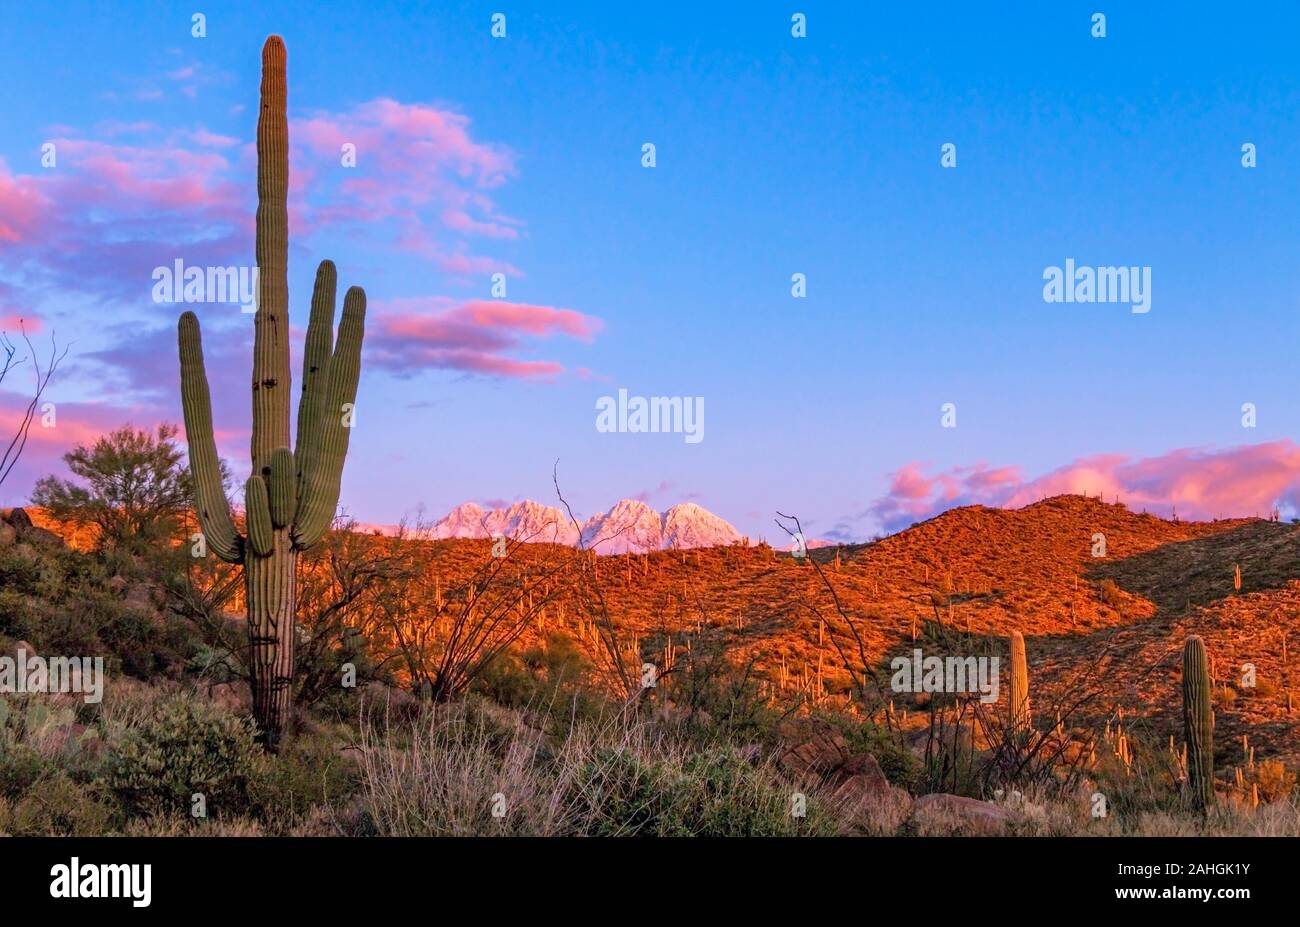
column 1018, row 712
column 290, row 497
column 1198, row 724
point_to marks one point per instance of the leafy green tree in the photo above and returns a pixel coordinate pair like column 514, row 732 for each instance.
column 131, row 483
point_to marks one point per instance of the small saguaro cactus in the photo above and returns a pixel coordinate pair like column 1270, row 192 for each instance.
column 1019, row 705
column 1198, row 724
column 291, row 496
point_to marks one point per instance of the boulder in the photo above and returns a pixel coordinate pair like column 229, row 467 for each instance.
column 854, row 783
column 18, row 519
column 940, row 813
column 816, row 755
column 25, row 530
column 862, row 792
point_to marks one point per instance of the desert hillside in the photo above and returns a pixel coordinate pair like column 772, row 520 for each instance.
column 961, row 582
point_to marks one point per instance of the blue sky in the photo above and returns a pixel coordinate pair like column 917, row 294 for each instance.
column 775, row 155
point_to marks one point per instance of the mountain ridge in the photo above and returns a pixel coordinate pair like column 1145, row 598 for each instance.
column 628, row 526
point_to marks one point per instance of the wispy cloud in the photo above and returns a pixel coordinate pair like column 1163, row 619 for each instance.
column 125, row 197
column 1200, row 483
column 411, row 335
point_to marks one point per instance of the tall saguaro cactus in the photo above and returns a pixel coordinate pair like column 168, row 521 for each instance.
column 1198, row 723
column 291, row 495
column 1018, row 713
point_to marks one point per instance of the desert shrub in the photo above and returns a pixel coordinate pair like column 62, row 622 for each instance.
column 67, row 602
column 1111, row 594
column 550, row 671
column 37, row 740
column 899, row 764
column 445, row 773
column 188, row 746
column 1275, row 781
column 624, row 795
column 624, row 791
column 21, row 767
column 720, row 794
column 130, row 484
column 1261, row 689
column 1150, row 786
column 308, row 772
column 716, row 698
column 1224, row 695
column 55, row 805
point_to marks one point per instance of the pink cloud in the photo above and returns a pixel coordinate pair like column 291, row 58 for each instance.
column 74, row 423
column 410, row 335
column 14, row 325
column 21, row 206
column 1201, row 483
column 416, row 165
column 133, row 196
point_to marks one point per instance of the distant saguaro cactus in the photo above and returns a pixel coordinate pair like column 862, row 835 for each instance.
column 291, row 496
column 1019, row 710
column 1198, row 723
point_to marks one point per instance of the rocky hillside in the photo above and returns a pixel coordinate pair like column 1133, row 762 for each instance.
column 1110, row 624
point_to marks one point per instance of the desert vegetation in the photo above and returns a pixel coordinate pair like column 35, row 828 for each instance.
column 441, row 690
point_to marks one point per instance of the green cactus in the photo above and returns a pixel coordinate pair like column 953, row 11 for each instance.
column 1198, row 724
column 291, row 496
column 1019, row 703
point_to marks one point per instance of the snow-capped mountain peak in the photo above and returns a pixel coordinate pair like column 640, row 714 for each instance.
column 629, row 526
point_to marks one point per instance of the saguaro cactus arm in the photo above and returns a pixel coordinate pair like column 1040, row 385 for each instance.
column 205, row 467
column 316, row 362
column 257, row 516
column 283, row 486
column 328, row 443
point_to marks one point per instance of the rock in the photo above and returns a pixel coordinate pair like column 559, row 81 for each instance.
column 18, row 519
column 7, row 534
column 865, row 770
column 941, row 813
column 24, row 529
column 854, row 783
column 862, row 787
column 41, row 537
column 817, row 755
column 378, row 693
